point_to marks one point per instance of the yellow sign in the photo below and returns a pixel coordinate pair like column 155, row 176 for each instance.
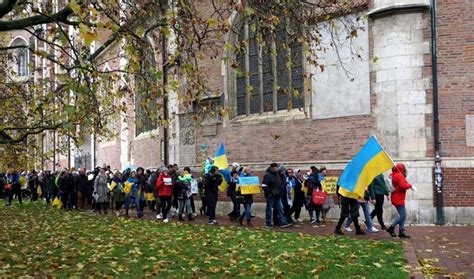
column 329, row 184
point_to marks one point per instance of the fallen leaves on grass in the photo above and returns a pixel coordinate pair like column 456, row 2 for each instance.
column 42, row 242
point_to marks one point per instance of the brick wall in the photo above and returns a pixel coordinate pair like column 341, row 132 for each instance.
column 455, row 27
column 458, row 187
column 296, row 140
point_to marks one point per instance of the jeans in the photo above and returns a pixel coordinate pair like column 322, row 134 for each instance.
column 246, row 213
column 378, row 210
column 368, row 220
column 165, row 206
column 129, row 200
column 67, row 200
column 400, row 220
column 274, row 201
column 185, row 203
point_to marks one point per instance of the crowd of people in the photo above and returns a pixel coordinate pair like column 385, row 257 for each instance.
column 169, row 192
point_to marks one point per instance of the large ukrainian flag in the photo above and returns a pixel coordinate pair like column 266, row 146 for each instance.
column 371, row 161
column 220, row 161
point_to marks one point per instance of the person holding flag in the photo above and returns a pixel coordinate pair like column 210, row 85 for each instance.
column 370, row 161
column 220, row 161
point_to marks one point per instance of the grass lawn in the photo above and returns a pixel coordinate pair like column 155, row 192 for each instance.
column 37, row 240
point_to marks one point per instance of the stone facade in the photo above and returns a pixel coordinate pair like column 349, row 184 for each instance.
column 387, row 93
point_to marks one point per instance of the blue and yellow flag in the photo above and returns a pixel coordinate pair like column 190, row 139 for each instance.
column 371, row 161
column 220, row 161
column 249, row 185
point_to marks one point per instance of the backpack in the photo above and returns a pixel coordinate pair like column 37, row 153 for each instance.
column 319, row 197
column 388, row 185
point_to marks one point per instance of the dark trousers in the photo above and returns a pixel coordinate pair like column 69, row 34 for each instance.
column 81, row 199
column 378, row 210
column 118, row 205
column 101, row 205
column 165, row 206
column 287, row 209
column 235, row 208
column 66, row 198
column 34, row 193
column 16, row 190
column 349, row 208
column 203, row 205
column 296, row 209
column 211, row 206
column 191, row 199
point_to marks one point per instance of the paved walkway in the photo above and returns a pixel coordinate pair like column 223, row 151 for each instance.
column 438, row 252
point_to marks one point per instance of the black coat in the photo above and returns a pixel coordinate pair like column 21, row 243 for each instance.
column 275, row 184
column 211, row 184
column 81, row 183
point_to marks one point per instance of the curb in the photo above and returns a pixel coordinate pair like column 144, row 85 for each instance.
column 412, row 260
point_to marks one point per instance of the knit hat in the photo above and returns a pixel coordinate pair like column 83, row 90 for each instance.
column 164, row 169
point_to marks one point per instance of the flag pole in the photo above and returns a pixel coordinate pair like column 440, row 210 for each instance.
column 383, row 149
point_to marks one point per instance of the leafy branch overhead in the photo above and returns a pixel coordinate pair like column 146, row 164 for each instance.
column 90, row 59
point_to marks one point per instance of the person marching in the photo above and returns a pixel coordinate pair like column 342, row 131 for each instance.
column 398, row 196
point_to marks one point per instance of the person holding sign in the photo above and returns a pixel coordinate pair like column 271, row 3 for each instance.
column 247, row 185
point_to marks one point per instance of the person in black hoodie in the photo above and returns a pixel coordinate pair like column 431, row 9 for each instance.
column 212, row 180
column 81, row 188
column 32, row 185
column 273, row 184
column 66, row 187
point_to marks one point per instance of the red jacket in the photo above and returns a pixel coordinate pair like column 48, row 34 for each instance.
column 164, row 183
column 400, row 184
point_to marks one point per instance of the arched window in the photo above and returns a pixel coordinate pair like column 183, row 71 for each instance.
column 20, row 57
column 146, row 118
column 270, row 71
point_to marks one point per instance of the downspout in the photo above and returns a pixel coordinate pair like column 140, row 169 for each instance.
column 165, row 100
column 438, row 174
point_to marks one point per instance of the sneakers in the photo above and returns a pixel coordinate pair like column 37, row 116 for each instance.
column 159, row 216
column 374, row 230
column 212, row 222
column 286, row 225
column 312, row 221
column 166, row 221
column 347, row 229
column 338, row 232
column 269, row 227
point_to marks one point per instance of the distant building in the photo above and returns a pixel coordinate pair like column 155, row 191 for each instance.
column 329, row 115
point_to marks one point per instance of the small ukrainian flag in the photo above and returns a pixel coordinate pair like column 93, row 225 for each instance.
column 220, row 161
column 371, row 161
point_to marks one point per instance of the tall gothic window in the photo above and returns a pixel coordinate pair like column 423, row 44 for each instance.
column 145, row 100
column 20, row 56
column 270, row 75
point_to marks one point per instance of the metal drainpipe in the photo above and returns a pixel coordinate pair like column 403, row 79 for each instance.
column 438, row 173
column 165, row 99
